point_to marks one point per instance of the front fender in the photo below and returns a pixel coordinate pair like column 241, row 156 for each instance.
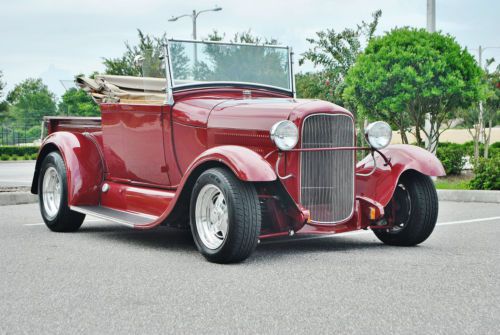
column 381, row 184
column 246, row 164
column 84, row 165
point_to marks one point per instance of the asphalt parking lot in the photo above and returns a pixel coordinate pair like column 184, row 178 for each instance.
column 16, row 174
column 109, row 279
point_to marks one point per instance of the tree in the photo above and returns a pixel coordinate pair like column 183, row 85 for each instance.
column 77, row 102
column 313, row 85
column 3, row 104
column 146, row 59
column 409, row 72
column 491, row 114
column 480, row 124
column 2, row 84
column 335, row 53
column 30, row 101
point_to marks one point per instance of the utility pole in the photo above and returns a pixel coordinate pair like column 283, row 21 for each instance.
column 194, row 15
column 431, row 16
column 431, row 27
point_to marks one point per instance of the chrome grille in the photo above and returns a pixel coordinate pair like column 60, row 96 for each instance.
column 327, row 177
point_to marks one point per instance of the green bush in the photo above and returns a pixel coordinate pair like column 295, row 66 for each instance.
column 4, row 157
column 452, row 156
column 18, row 150
column 487, row 174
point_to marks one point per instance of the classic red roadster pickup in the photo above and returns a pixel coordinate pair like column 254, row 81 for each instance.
column 212, row 138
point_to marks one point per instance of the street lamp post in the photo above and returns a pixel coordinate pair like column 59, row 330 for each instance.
column 431, row 27
column 194, row 15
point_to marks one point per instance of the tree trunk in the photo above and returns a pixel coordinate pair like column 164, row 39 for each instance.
column 418, row 137
column 487, row 139
column 404, row 138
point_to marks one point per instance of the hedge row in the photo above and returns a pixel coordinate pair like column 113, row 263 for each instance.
column 487, row 174
column 486, row 171
column 25, row 157
column 11, row 150
column 452, row 155
column 13, row 153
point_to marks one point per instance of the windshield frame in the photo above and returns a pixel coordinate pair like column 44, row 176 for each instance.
column 172, row 87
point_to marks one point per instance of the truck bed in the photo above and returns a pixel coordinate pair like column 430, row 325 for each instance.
column 73, row 124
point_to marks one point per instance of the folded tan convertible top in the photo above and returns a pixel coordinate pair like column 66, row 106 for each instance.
column 124, row 89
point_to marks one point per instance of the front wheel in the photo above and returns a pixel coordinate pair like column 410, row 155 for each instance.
column 53, row 196
column 412, row 211
column 225, row 216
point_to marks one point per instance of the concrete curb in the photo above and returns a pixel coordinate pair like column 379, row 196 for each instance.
column 19, row 161
column 469, row 196
column 17, row 198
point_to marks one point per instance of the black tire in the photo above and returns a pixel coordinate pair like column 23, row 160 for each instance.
column 243, row 213
column 415, row 211
column 64, row 220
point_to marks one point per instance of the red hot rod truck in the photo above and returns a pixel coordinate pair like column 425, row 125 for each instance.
column 211, row 137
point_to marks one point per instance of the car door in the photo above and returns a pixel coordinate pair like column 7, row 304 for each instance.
column 133, row 143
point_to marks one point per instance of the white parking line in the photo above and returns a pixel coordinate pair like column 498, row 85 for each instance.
column 359, row 232
column 469, row 221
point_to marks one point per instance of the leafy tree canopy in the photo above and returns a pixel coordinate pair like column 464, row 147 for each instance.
column 334, row 53
column 3, row 104
column 138, row 59
column 30, row 100
column 76, row 102
column 146, row 59
column 2, row 84
column 409, row 72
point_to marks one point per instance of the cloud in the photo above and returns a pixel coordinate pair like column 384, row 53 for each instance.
column 76, row 35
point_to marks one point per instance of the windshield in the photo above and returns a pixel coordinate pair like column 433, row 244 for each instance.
column 200, row 62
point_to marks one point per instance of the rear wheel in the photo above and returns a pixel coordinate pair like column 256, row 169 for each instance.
column 412, row 210
column 225, row 216
column 53, row 196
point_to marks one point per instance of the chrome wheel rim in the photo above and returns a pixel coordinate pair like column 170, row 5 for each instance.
column 51, row 192
column 211, row 215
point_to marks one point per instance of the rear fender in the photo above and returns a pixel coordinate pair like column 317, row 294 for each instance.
column 381, row 184
column 84, row 165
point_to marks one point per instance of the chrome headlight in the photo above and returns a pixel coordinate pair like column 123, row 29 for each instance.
column 285, row 135
column 378, row 134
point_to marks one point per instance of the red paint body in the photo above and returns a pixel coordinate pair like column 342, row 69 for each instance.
column 150, row 155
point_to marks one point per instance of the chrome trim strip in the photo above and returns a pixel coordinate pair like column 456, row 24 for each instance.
column 231, row 83
column 83, row 210
column 170, row 81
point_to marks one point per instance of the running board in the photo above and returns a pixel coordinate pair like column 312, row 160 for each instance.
column 106, row 213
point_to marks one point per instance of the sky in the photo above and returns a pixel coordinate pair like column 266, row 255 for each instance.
column 56, row 39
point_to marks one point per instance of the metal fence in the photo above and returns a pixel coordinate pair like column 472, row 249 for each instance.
column 20, row 133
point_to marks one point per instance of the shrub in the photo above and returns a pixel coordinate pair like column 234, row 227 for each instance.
column 4, row 157
column 18, row 150
column 452, row 157
column 487, row 174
